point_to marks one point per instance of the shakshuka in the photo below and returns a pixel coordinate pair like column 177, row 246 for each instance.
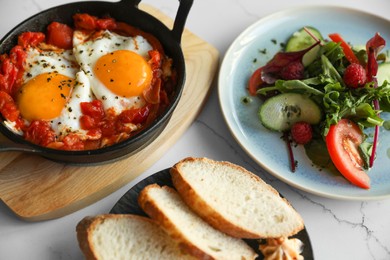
column 84, row 87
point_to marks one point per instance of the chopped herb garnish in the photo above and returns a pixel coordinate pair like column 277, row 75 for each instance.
column 263, row 51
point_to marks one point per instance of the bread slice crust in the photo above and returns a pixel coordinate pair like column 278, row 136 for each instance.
column 207, row 206
column 153, row 210
column 146, row 235
column 84, row 231
column 187, row 243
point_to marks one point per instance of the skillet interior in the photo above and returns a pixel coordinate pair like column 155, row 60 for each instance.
column 125, row 11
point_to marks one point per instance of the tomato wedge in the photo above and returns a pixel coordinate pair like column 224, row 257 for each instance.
column 342, row 142
column 255, row 81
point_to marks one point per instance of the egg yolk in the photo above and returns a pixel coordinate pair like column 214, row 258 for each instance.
column 44, row 96
column 124, row 72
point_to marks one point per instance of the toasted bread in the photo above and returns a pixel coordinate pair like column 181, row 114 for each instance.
column 195, row 236
column 111, row 236
column 234, row 200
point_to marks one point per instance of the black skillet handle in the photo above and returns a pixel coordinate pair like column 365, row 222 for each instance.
column 180, row 19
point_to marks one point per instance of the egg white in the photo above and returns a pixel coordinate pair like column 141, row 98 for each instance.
column 69, row 120
column 39, row 62
column 88, row 51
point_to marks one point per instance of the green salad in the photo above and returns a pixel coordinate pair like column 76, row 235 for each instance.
column 321, row 90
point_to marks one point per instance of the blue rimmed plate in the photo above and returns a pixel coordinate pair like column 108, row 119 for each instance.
column 257, row 45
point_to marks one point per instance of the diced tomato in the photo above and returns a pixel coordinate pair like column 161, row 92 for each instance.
column 108, row 128
column 10, row 111
column 155, row 59
column 255, row 81
column 106, row 24
column 60, row 35
column 348, row 52
column 94, row 134
column 40, row 132
column 73, row 142
column 11, row 69
column 94, row 109
column 89, row 22
column 18, row 56
column 8, row 76
column 84, row 21
column 8, row 107
column 15, row 70
column 30, row 39
column 87, row 122
column 93, row 113
column 134, row 116
column 342, row 142
column 152, row 94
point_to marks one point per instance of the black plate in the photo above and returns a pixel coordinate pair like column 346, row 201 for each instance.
column 128, row 205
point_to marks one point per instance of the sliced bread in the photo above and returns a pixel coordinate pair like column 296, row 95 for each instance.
column 164, row 205
column 234, row 200
column 111, row 236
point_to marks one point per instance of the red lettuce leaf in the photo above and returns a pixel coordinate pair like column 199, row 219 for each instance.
column 270, row 72
column 373, row 47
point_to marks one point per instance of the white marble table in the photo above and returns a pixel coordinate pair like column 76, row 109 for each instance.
column 338, row 229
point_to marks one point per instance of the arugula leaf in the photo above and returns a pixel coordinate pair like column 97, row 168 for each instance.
column 296, row 86
column 365, row 150
column 335, row 55
column 338, row 101
column 330, row 72
column 341, row 102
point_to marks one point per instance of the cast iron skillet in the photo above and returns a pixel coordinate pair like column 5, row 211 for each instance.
column 124, row 11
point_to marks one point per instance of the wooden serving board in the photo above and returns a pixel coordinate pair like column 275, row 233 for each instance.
column 35, row 188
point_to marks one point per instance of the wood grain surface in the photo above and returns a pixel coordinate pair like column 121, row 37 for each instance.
column 36, row 189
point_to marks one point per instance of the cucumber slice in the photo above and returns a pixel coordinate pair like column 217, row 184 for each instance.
column 383, row 73
column 358, row 48
column 280, row 112
column 301, row 40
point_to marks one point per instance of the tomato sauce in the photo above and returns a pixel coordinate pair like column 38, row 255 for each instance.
column 103, row 127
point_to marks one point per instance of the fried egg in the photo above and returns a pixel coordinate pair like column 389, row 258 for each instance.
column 116, row 66
column 48, row 80
column 53, row 88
